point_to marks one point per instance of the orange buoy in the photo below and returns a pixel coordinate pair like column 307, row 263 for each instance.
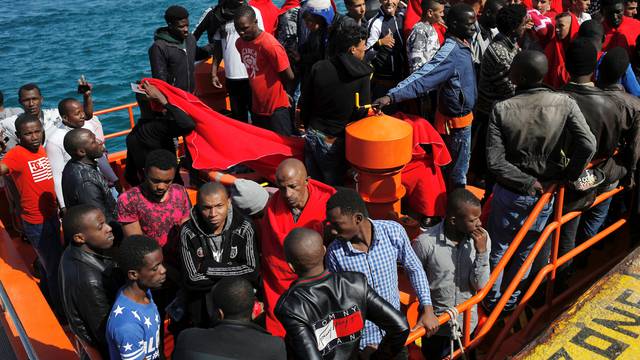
column 379, row 147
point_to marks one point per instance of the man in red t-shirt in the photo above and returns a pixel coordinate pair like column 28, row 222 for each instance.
column 268, row 68
column 30, row 170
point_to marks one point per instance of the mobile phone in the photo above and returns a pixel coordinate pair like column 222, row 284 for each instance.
column 83, row 87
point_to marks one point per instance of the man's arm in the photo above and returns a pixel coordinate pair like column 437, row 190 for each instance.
column 203, row 24
column 93, row 308
column 387, row 318
column 132, row 228
column 583, row 142
column 423, row 80
column 216, row 58
column 418, row 278
column 505, row 172
column 286, row 76
column 4, row 169
column 127, row 217
column 56, row 159
column 194, row 277
column 87, row 99
column 158, row 61
column 299, row 337
column 479, row 275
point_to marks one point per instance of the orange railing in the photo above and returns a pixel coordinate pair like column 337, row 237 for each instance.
column 129, row 107
column 548, row 271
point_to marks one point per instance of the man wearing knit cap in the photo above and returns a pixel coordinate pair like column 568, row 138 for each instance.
column 217, row 241
column 605, row 119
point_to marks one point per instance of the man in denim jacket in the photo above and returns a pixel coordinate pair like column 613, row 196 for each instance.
column 451, row 72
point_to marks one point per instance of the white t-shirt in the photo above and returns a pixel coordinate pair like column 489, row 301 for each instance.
column 233, row 66
column 58, row 157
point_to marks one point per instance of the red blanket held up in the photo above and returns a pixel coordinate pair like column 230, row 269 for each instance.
column 219, row 143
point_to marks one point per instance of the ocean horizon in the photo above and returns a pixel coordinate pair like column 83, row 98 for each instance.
column 53, row 42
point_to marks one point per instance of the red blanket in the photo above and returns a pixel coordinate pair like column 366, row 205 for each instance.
column 276, row 224
column 422, row 177
column 219, row 142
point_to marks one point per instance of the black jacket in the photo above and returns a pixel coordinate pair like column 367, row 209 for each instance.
column 89, row 284
column 316, row 309
column 328, row 97
column 154, row 131
column 84, row 184
column 229, row 339
column 239, row 257
column 607, row 121
column 173, row 60
column 526, row 139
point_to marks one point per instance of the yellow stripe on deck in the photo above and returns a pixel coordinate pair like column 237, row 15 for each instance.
column 603, row 324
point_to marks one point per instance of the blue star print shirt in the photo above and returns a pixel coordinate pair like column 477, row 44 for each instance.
column 133, row 330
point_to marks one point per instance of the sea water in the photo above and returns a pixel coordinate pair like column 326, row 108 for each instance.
column 53, row 42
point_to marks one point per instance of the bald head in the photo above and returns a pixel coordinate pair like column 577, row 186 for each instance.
column 211, row 188
column 291, row 179
column 528, row 68
column 304, row 249
column 291, row 166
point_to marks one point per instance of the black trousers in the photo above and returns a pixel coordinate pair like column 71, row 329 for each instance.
column 280, row 121
column 239, row 98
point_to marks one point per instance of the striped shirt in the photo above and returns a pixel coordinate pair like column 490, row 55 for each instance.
column 389, row 246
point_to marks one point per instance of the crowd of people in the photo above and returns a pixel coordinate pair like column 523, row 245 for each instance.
column 524, row 94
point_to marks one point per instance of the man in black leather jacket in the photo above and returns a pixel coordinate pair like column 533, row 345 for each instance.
column 82, row 181
column 88, row 278
column 324, row 312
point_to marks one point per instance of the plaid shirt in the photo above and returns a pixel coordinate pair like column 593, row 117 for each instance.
column 389, row 246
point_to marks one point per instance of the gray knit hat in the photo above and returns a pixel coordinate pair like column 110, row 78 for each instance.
column 249, row 196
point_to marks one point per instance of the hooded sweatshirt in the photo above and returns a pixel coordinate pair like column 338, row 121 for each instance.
column 328, row 100
column 173, row 60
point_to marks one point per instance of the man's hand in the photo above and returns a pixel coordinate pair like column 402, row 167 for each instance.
column 153, row 93
column 84, row 87
column 3, row 141
column 379, row 103
column 479, row 237
column 215, row 81
column 388, row 40
column 428, row 320
column 536, row 189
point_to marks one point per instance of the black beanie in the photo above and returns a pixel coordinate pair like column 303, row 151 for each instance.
column 581, row 57
column 614, row 64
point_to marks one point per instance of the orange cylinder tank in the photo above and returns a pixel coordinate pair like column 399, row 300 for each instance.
column 379, row 147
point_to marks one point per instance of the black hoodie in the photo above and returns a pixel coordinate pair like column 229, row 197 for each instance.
column 173, row 60
column 328, row 98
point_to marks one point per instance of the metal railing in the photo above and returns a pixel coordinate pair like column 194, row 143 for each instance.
column 132, row 121
column 7, row 307
column 548, row 271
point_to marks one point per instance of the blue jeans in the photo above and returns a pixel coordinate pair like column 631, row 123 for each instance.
column 324, row 162
column 45, row 239
column 509, row 211
column 458, row 143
